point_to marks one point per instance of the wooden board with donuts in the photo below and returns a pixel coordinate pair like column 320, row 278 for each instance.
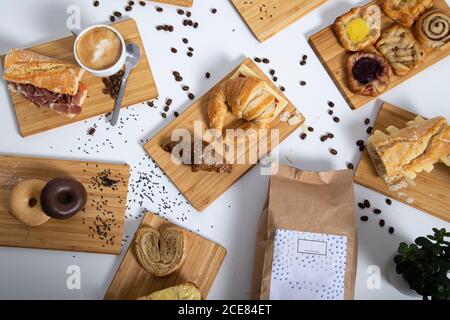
column 423, row 182
column 262, row 108
column 366, row 56
column 190, row 264
column 62, row 205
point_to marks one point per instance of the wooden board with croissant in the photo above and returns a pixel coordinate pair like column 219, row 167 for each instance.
column 201, row 187
column 429, row 191
column 421, row 42
column 202, row 261
column 140, row 87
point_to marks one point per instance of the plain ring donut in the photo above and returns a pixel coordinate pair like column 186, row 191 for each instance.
column 25, row 202
column 62, row 198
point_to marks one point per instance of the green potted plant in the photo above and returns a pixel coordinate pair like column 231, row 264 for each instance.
column 424, row 265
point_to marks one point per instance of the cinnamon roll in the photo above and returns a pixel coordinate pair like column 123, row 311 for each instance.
column 433, row 29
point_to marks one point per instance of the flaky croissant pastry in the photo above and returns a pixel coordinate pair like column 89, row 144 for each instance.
column 160, row 253
column 400, row 154
column 247, row 98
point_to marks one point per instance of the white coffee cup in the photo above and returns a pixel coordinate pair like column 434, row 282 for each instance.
column 103, row 72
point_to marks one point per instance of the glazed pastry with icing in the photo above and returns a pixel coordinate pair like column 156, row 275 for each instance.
column 402, row 153
column 25, row 202
column 398, row 45
column 358, row 28
column 406, row 12
column 161, row 254
column 433, row 29
column 368, row 74
column 185, row 291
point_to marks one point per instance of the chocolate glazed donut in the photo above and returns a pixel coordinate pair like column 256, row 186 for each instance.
column 62, row 198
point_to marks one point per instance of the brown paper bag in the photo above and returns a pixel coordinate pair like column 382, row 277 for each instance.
column 308, row 207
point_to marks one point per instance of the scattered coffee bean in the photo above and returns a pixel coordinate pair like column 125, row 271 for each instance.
column 178, row 78
column 272, row 72
column 302, row 63
column 150, row 104
column 208, row 75
column 164, row 115
column 364, row 218
column 367, row 121
column 303, row 83
column 185, row 41
column 369, row 130
column 361, row 205
column 196, row 25
column 191, row 96
column 91, row 131
column 258, row 60
column 388, row 201
column 362, row 148
column 214, row 10
column 188, row 14
column 166, row 108
column 376, row 211
column 175, row 73
column 367, row 203
column 131, row 3
column 96, row 3
column 265, row 60
column 185, row 88
column 391, row 230
column 330, row 135
column 171, row 28
column 323, row 138
column 305, row 57
column 336, row 119
column 159, row 9
column 189, row 54
column 142, row 3
column 283, row 89
column 180, row 11
column 174, row 50
column 112, row 18
column 360, row 143
column 168, row 102
column 303, row 136
column 350, row 166
column 333, row 151
column 381, row 222
column 176, row 114
column 128, row 8
column 117, row 14
column 191, row 49
column 275, row 79
column 310, row 129
column 331, row 104
column 330, row 112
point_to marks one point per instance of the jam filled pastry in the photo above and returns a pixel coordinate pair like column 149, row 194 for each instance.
column 367, row 73
column 402, row 153
column 184, row 291
column 401, row 49
column 358, row 28
column 160, row 254
column 406, row 12
column 433, row 29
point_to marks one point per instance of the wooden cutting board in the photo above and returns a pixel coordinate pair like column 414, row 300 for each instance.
column 265, row 18
column 203, row 261
column 183, row 3
column 333, row 56
column 141, row 86
column 202, row 188
column 77, row 233
column 431, row 193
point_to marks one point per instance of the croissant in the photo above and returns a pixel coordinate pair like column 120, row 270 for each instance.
column 160, row 253
column 402, row 153
column 247, row 98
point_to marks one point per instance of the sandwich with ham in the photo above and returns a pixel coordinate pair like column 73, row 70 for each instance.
column 49, row 83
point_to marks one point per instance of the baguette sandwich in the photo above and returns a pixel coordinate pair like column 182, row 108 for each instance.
column 49, row 83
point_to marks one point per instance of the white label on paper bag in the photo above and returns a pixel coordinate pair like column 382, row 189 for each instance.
column 308, row 266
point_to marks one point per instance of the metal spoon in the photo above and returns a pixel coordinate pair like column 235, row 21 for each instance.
column 132, row 59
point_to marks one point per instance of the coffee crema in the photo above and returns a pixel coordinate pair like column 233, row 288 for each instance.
column 99, row 48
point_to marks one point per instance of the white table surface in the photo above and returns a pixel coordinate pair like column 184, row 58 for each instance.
column 220, row 43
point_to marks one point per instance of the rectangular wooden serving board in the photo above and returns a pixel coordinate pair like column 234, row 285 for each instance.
column 431, row 192
column 202, row 188
column 265, row 18
column 334, row 57
column 78, row 232
column 203, row 261
column 183, row 3
column 141, row 86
